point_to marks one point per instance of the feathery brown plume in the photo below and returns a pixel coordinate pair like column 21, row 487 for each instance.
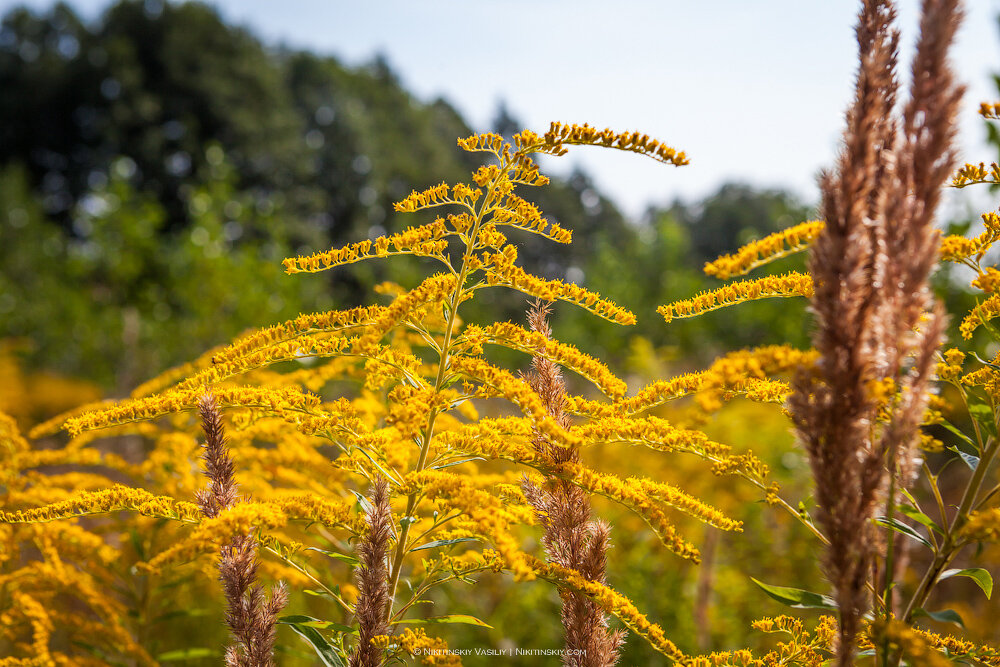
column 250, row 614
column 571, row 538
column 871, row 267
column 373, row 578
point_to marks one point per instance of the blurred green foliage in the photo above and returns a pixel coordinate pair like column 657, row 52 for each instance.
column 157, row 164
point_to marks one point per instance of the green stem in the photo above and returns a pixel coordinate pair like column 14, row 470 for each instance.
column 950, row 545
column 455, row 301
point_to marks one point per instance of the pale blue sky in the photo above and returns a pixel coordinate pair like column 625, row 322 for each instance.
column 752, row 90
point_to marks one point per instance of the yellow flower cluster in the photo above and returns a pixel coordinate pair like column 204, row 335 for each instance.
column 433, row 196
column 115, row 499
column 988, row 281
column 614, row 603
column 960, row 248
column 983, row 526
column 488, row 142
column 951, row 368
column 653, row 432
column 631, row 494
column 990, row 111
column 479, row 508
column 438, row 288
column 516, row 212
column 517, row 392
column 758, row 253
column 424, row 241
column 984, row 311
column 971, row 174
column 493, row 439
column 534, row 343
column 560, row 134
column 686, row 503
column 430, row 650
column 240, row 519
column 142, row 409
column 509, row 275
column 790, row 284
column 910, row 644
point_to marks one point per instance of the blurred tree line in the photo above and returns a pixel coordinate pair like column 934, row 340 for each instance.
column 157, row 164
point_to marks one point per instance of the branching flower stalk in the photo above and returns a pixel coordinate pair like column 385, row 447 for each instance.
column 572, row 539
column 877, row 326
column 373, row 578
column 251, row 615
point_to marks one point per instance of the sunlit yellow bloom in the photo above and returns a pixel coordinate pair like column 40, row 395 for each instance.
column 516, row 391
column 488, row 142
column 986, row 310
column 535, row 343
column 114, row 499
column 430, row 650
column 951, row 368
column 480, row 509
column 614, row 603
column 141, row 409
column 240, row 519
column 560, row 135
column 989, row 111
column 423, row 241
column 910, row 644
column 971, row 174
column 983, row 526
column 516, row 212
column 790, row 284
column 517, row 278
column 632, row 494
column 432, row 196
column 761, row 252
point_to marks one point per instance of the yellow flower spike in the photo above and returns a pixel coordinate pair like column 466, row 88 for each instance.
column 240, row 519
column 424, row 241
column 988, row 281
column 788, row 285
column 763, row 251
column 534, row 343
column 971, row 174
column 433, row 196
column 516, row 391
column 115, row 499
column 983, row 312
column 910, row 644
column 41, row 630
column 614, row 603
column 631, row 494
column 506, row 274
column 143, row 409
column 560, row 135
column 489, row 142
column 983, row 526
column 989, row 111
column 516, row 212
column 430, row 650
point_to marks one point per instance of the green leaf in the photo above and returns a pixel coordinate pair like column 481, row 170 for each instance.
column 350, row 560
column 969, row 459
column 456, row 463
column 365, row 505
column 323, row 649
column 187, row 654
column 943, row 616
column 451, row 618
column 796, row 597
column 982, row 577
column 983, row 414
column 903, row 529
column 951, row 427
column 919, row 517
column 444, row 543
